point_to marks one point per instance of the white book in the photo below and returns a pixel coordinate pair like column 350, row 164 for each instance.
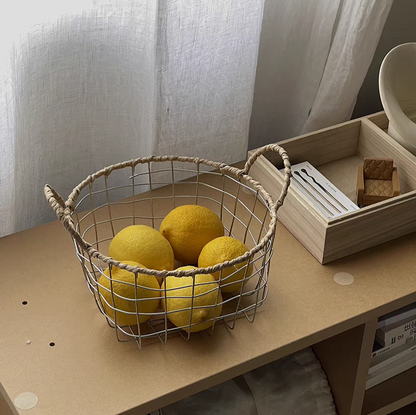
column 378, row 349
column 397, row 333
column 392, row 356
column 390, row 370
column 320, row 192
column 396, row 316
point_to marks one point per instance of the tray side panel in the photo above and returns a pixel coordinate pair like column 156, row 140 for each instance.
column 296, row 214
column 374, row 142
column 370, row 229
column 379, row 119
column 321, row 147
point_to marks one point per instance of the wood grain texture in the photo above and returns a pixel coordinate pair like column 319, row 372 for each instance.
column 370, row 228
column 360, row 185
column 346, row 359
column 341, row 174
column 321, row 147
column 379, row 119
column 391, row 394
column 302, row 219
column 395, row 182
column 374, row 142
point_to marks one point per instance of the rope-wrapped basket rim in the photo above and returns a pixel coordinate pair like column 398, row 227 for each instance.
column 64, row 209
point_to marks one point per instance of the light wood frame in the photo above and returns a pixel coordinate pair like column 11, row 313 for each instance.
column 346, row 360
column 331, row 239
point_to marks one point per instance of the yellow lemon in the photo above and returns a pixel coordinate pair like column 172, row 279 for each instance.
column 142, row 244
column 188, row 229
column 204, row 295
column 225, row 249
column 121, row 288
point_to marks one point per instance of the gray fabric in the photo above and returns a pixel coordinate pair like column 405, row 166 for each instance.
column 228, row 398
column 294, row 385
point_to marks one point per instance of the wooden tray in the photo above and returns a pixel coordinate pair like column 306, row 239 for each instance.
column 336, row 152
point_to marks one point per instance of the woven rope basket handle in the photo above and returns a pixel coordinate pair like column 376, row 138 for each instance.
column 63, row 209
column 288, row 172
column 63, row 213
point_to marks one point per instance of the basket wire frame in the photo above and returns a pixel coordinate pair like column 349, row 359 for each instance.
column 83, row 218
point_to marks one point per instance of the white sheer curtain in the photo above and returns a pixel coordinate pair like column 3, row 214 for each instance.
column 355, row 40
column 85, row 84
column 313, row 58
column 88, row 84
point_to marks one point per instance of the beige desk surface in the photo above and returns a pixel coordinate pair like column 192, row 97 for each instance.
column 89, row 372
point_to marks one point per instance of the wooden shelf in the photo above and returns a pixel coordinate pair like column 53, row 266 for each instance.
column 89, row 372
column 391, row 395
column 345, row 359
column 406, row 410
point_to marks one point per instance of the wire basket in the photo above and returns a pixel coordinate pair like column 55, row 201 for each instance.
column 143, row 191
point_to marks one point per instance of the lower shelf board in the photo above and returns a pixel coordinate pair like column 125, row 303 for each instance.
column 391, row 395
column 406, row 410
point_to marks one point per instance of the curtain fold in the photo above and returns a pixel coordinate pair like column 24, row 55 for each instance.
column 313, row 58
column 89, row 84
column 294, row 45
column 356, row 36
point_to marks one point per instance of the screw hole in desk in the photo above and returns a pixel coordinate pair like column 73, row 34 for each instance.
column 51, row 344
column 24, row 302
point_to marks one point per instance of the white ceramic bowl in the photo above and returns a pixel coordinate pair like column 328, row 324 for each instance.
column 397, row 83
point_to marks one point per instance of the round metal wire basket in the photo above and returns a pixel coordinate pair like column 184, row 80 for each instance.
column 144, row 191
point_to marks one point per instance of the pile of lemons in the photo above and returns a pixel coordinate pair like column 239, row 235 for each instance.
column 191, row 234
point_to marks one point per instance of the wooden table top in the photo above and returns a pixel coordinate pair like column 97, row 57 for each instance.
column 89, row 372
